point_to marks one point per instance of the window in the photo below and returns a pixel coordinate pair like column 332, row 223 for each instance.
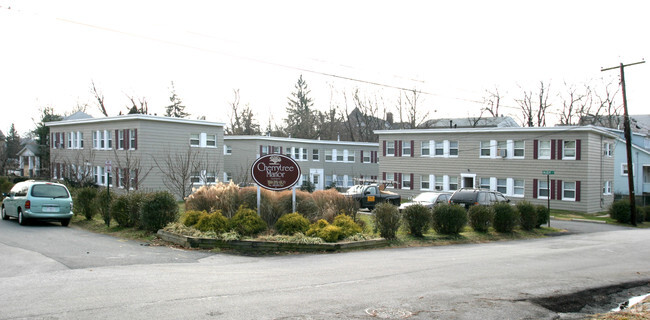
column 210, row 177
column 296, row 153
column 607, row 187
column 502, row 185
column 568, row 191
column 132, row 138
column 211, row 141
column 502, row 149
column 102, row 142
column 195, row 140
column 339, row 156
column 518, row 188
column 265, row 150
column 485, row 149
column 366, row 157
column 624, row 169
column 339, row 181
column 439, row 183
column 195, row 178
column 227, row 150
column 133, row 178
column 328, row 155
column 350, row 182
column 304, row 153
column 227, row 176
column 424, row 183
column 275, row 149
column 440, row 148
column 71, row 140
column 453, row 148
column 120, row 139
column 544, row 150
column 351, row 156
column 569, row 149
column 453, row 183
column 424, row 147
column 390, row 148
column 406, row 181
column 485, row 183
column 328, row 181
column 390, row 177
column 315, row 155
column 518, row 149
column 80, row 140
column 542, row 189
column 109, row 139
column 406, row 148
column 607, row 149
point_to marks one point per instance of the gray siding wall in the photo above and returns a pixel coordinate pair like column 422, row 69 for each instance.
column 591, row 170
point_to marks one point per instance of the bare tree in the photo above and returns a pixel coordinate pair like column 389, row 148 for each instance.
column 80, row 171
column 100, row 99
column 534, row 106
column 492, row 102
column 178, row 169
column 130, row 164
column 575, row 104
column 140, row 107
column 608, row 111
column 414, row 118
column 474, row 121
column 363, row 120
column 242, row 121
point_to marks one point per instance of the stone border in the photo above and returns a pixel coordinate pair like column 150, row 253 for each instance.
column 267, row 246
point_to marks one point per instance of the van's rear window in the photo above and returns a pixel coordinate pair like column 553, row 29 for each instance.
column 49, row 191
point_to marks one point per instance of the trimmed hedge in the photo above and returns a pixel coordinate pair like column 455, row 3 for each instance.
column 84, row 202
column 246, row 222
column 418, row 219
column 527, row 215
column 543, row 215
column 213, row 221
column 449, row 219
column 191, row 217
column 621, row 211
column 347, row 225
column 387, row 220
column 292, row 223
column 505, row 217
column 158, row 209
column 480, row 217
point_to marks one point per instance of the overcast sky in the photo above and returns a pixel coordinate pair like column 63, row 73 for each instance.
column 453, row 51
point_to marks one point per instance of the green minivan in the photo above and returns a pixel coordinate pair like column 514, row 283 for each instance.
column 38, row 200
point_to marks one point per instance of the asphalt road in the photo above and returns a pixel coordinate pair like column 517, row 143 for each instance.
column 51, row 272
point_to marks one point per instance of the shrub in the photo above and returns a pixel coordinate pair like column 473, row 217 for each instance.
column 214, row 221
column 480, row 217
column 120, row 211
column 246, row 222
column 387, row 220
column 347, row 225
column 190, row 218
column 103, row 203
column 269, row 211
column 85, row 202
column 158, row 209
column 136, row 199
column 418, row 219
column 621, row 211
column 543, row 215
column 304, row 203
column 527, row 215
column 449, row 219
column 292, row 223
column 646, row 211
column 505, row 217
column 220, row 196
column 331, row 201
column 322, row 229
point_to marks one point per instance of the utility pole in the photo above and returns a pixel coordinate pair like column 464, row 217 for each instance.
column 628, row 141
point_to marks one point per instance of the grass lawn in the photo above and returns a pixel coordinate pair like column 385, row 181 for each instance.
column 601, row 216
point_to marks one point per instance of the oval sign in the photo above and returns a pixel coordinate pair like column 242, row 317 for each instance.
column 275, row 172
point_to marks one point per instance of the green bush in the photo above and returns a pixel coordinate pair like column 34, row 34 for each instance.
column 136, row 199
column 418, row 219
column 214, row 221
column 387, row 220
column 347, row 225
column 505, row 217
column 292, row 223
column 120, row 211
column 246, row 222
column 527, row 215
column 449, row 219
column 158, row 209
column 543, row 215
column 322, row 229
column 646, row 211
column 191, row 217
column 103, row 203
column 84, row 202
column 621, row 211
column 480, row 217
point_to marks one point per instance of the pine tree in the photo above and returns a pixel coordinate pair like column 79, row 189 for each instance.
column 301, row 117
column 176, row 109
column 13, row 143
column 41, row 134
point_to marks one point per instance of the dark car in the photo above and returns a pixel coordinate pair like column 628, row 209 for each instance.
column 427, row 199
column 471, row 197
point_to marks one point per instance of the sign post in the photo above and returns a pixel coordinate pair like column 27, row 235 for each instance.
column 548, row 173
column 275, row 172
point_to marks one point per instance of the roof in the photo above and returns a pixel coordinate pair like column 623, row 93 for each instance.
column 33, row 147
column 296, row 140
column 141, row 117
column 590, row 128
column 77, row 116
column 500, row 122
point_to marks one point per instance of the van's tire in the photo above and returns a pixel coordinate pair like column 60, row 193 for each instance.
column 65, row 222
column 21, row 219
column 4, row 214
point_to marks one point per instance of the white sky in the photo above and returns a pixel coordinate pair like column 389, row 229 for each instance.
column 50, row 51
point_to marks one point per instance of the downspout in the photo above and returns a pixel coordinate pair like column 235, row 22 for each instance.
column 602, row 158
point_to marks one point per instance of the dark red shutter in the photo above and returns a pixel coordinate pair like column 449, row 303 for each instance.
column 384, row 148
column 281, row 150
column 559, row 149
column 412, row 182
column 559, row 189
column 116, row 141
column 551, row 190
column 535, row 149
column 578, row 149
column 135, row 135
column 400, row 148
column 535, row 181
column 260, row 150
column 553, row 149
column 361, row 157
column 383, row 176
column 577, row 190
column 412, row 151
column 395, row 151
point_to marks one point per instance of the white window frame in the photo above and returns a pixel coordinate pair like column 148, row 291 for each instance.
column 425, row 145
column 80, row 140
column 439, row 183
column 425, row 179
column 339, row 156
column 484, row 183
column 390, row 145
column 329, row 153
column 450, row 183
column 545, row 149
column 211, row 138
column 607, row 187
column 390, row 177
column 120, row 140
column 439, row 146
column 132, row 139
column 607, row 149
column 624, row 170
column 406, row 146
column 315, row 154
column 502, row 185
column 351, row 156
column 483, row 147
column 515, row 149
column 195, row 140
column 451, row 148
column 516, row 187
column 565, row 189
column 366, row 157
column 539, row 189
column 227, row 150
column 565, row 149
column 406, row 181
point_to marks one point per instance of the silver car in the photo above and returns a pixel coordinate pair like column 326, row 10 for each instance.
column 427, row 199
column 38, row 200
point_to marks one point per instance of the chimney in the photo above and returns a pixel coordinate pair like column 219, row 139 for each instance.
column 389, row 117
column 451, row 124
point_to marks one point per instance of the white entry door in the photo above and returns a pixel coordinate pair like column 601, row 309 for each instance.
column 316, row 177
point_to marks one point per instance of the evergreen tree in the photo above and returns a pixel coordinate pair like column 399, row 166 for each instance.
column 301, row 118
column 176, row 109
column 13, row 143
column 41, row 134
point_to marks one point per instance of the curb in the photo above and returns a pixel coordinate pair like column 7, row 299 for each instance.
column 580, row 220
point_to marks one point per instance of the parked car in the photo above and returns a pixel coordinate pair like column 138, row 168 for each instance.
column 38, row 200
column 427, row 199
column 470, row 197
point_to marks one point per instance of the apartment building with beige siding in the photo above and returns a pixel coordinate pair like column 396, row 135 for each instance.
column 509, row 160
column 141, row 150
column 322, row 162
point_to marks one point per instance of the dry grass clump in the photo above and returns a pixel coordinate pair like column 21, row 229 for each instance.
column 220, row 196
